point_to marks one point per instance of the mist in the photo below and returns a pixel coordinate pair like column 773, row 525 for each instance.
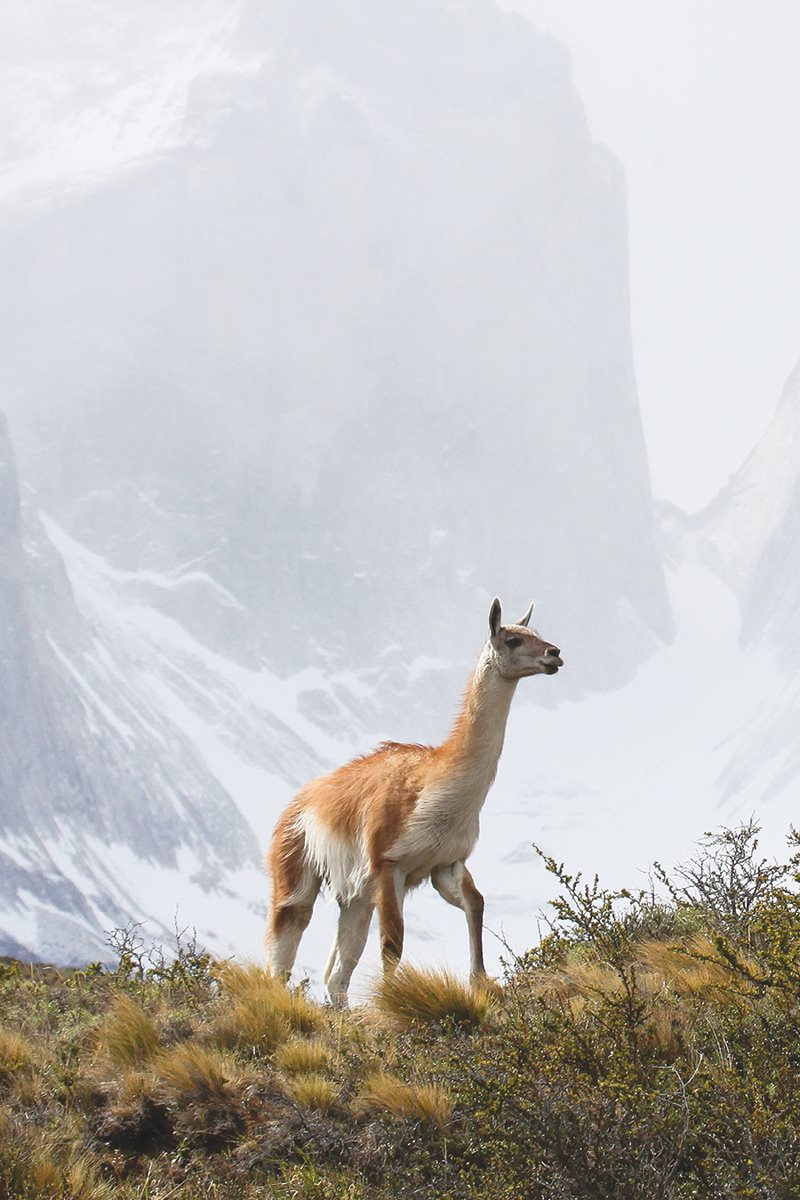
column 318, row 332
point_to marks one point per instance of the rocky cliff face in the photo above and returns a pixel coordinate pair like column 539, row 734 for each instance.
column 358, row 351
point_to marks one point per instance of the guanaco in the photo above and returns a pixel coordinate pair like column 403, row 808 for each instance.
column 388, row 820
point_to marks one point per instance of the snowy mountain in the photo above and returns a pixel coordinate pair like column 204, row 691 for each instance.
column 119, row 739
column 753, row 527
column 704, row 734
column 335, row 347
column 749, row 537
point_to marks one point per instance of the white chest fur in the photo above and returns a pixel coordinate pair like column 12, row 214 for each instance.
column 445, row 824
column 443, row 829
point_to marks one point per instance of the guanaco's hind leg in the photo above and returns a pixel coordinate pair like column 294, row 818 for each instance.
column 287, row 924
column 455, row 885
column 295, row 886
column 390, row 889
column 348, row 946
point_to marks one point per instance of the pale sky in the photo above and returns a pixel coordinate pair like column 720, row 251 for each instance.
column 700, row 99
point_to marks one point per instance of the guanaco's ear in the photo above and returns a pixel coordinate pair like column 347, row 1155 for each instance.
column 524, row 620
column 494, row 617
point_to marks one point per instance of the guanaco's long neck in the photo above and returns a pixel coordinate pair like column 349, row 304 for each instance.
column 477, row 738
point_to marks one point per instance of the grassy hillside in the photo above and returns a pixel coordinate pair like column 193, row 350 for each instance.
column 649, row 1047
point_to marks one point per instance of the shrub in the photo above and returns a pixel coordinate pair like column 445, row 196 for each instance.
column 186, row 967
column 725, row 880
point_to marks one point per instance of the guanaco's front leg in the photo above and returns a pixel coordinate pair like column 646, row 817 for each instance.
column 389, row 894
column 455, row 885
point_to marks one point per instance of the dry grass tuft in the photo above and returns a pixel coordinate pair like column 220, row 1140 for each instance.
column 206, row 1092
column 264, row 1012
column 665, row 973
column 16, row 1055
column 694, row 968
column 410, row 996
column 312, row 1091
column 194, row 1074
column 128, row 1035
column 666, row 1032
column 38, row 1166
column 424, row 1102
column 253, row 1025
column 38, row 1175
column 302, row 1055
column 579, row 978
column 83, row 1182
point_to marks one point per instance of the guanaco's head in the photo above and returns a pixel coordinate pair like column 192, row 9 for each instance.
column 521, row 651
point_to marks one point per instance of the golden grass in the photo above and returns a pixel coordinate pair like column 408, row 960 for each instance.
column 683, row 969
column 410, row 996
column 132, row 1087
column 83, row 1181
column 38, row 1166
column 128, row 1034
column 579, row 978
column 252, row 1025
column 30, row 1088
column 312, row 1091
column 303, row 1055
column 424, row 1102
column 264, row 1012
column 16, row 1055
column 191, row 1073
column 666, row 1031
column 39, row 1175
column 694, row 967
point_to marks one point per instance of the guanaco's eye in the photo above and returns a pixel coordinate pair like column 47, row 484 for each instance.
column 513, row 642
